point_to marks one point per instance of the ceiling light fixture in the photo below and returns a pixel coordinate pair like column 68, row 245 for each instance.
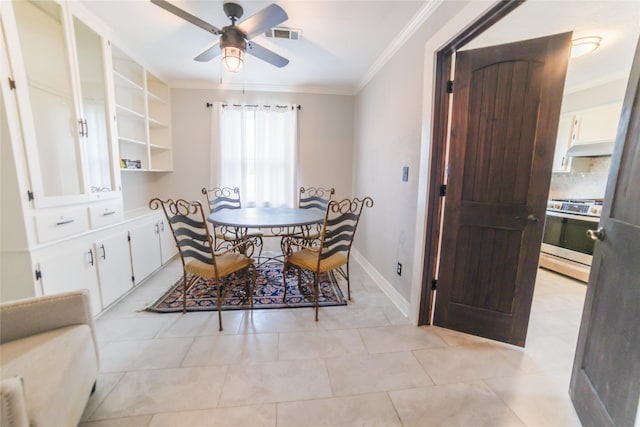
column 233, row 46
column 583, row 45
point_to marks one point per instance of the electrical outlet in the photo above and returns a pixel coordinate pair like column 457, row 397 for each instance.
column 399, row 269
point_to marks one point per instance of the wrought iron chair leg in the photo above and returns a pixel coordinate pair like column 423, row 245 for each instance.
column 284, row 282
column 316, row 292
column 348, row 283
column 219, row 284
column 186, row 287
column 184, row 292
column 253, row 284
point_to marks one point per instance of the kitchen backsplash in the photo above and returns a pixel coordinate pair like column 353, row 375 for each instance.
column 582, row 185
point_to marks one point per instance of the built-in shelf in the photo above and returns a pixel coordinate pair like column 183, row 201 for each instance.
column 143, row 115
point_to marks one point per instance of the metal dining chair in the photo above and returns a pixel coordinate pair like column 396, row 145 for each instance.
column 335, row 242
column 314, row 198
column 219, row 198
column 199, row 258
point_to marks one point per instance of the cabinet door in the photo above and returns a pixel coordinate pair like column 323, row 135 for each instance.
column 49, row 111
column 97, row 141
column 599, row 124
column 68, row 267
column 114, row 267
column 561, row 163
column 145, row 249
column 167, row 242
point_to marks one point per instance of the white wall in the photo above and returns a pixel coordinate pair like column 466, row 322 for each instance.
column 389, row 131
column 325, row 144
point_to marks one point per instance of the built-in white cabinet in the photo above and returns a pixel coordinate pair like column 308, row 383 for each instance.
column 143, row 115
column 59, row 72
column 67, row 106
column 562, row 163
column 152, row 244
column 596, row 125
column 113, row 262
column 67, row 267
column 100, row 263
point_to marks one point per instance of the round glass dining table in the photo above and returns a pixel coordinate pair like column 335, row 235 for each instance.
column 278, row 220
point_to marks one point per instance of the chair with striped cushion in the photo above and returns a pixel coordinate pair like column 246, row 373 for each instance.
column 332, row 254
column 197, row 251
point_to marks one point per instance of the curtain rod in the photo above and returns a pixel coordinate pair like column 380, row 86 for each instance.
column 299, row 107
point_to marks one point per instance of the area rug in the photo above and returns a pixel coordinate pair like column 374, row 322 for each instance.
column 267, row 293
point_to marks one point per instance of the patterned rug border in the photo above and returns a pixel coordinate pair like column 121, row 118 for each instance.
column 294, row 298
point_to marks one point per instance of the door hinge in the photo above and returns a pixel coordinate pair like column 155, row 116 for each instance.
column 38, row 275
column 443, row 190
column 449, row 86
column 133, row 279
column 128, row 237
column 30, row 195
column 434, row 284
column 12, row 83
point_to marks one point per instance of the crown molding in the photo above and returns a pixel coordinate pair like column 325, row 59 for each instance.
column 203, row 84
column 419, row 18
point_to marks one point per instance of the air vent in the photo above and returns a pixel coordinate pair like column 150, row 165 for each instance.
column 283, row 33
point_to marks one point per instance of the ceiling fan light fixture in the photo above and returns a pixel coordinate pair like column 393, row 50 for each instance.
column 233, row 58
column 583, row 45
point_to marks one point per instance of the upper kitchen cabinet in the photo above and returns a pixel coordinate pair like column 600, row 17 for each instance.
column 59, row 67
column 142, row 105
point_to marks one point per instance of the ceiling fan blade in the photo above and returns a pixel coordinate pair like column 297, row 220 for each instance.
column 269, row 17
column 266, row 55
column 186, row 16
column 209, row 54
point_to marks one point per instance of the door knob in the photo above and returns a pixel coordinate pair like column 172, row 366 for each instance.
column 531, row 218
column 596, row 234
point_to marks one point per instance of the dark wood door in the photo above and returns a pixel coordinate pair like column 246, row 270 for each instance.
column 506, row 107
column 605, row 382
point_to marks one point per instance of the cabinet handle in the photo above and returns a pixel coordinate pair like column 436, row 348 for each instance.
column 108, row 213
column 68, row 221
column 90, row 257
column 162, row 226
column 104, row 252
column 157, row 229
column 86, row 128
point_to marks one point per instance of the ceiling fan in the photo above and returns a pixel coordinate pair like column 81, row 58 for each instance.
column 235, row 39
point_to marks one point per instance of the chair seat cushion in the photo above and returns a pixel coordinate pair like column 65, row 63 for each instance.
column 227, row 263
column 232, row 237
column 308, row 260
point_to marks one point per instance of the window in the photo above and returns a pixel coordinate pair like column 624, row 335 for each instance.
column 258, row 153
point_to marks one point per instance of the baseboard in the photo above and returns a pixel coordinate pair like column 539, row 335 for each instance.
column 398, row 300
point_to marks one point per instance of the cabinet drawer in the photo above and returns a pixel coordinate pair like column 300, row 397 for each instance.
column 62, row 224
column 104, row 214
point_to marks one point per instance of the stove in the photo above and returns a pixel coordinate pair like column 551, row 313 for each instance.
column 566, row 248
column 590, row 207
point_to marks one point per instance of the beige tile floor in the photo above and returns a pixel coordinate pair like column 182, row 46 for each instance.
column 363, row 364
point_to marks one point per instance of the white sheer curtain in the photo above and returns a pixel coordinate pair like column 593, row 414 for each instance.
column 258, row 152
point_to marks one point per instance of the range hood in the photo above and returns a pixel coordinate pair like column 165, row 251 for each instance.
column 597, row 149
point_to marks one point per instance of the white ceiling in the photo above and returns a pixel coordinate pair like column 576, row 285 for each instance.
column 340, row 41
column 617, row 22
column 343, row 39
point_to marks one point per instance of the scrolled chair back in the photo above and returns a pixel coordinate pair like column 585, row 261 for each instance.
column 315, row 197
column 219, row 198
column 341, row 221
column 189, row 228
